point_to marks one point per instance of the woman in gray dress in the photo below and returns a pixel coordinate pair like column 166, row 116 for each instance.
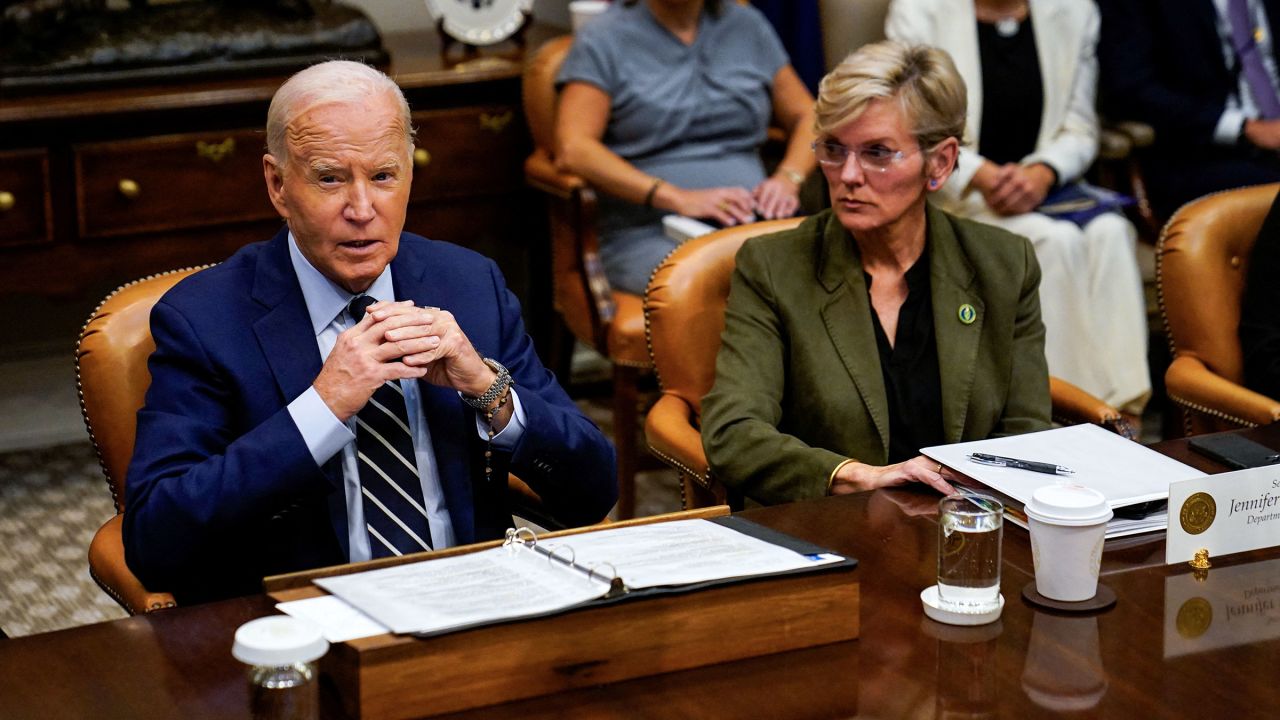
column 664, row 106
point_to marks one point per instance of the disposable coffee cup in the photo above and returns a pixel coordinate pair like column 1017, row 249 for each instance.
column 1068, row 525
column 583, row 11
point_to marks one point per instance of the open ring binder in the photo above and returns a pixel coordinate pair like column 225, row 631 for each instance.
column 526, row 538
column 531, row 577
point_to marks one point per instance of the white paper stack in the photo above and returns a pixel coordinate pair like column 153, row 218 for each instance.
column 681, row 228
column 1126, row 472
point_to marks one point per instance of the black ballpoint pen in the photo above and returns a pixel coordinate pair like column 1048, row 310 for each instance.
column 1032, row 465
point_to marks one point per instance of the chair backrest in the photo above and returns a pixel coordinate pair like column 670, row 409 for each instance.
column 1202, row 261
column 111, row 371
column 538, row 88
column 684, row 308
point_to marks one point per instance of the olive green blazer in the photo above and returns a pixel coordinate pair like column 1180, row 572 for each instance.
column 798, row 384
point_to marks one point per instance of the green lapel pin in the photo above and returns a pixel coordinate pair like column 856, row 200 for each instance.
column 967, row 314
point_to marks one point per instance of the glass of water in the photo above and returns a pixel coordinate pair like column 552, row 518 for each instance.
column 970, row 530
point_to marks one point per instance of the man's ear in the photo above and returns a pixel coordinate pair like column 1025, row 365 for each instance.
column 274, row 175
column 942, row 162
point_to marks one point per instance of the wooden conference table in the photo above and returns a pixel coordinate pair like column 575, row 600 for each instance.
column 1156, row 653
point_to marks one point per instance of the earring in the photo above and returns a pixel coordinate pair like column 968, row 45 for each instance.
column 933, row 184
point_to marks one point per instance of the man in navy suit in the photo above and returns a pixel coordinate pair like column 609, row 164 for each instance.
column 1177, row 67
column 246, row 459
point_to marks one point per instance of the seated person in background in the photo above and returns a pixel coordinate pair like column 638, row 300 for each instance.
column 884, row 324
column 664, row 106
column 1260, row 310
column 1031, row 72
column 293, row 423
column 1206, row 83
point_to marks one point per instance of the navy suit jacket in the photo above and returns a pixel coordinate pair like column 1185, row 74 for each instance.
column 1162, row 63
column 222, row 489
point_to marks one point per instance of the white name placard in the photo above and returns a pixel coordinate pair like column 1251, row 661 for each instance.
column 1227, row 513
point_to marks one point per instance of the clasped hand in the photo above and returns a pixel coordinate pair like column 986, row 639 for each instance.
column 1013, row 189
column 394, row 341
column 727, row 206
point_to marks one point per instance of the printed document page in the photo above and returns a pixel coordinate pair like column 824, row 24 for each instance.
column 464, row 590
column 682, row 552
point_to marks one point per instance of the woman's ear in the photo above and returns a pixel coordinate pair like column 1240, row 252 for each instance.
column 941, row 161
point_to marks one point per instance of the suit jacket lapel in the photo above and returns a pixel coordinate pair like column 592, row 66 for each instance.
column 951, row 282
column 847, row 317
column 1058, row 65
column 289, row 346
column 284, row 328
column 451, row 427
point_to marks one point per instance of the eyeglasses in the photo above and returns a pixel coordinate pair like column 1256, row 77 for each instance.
column 872, row 159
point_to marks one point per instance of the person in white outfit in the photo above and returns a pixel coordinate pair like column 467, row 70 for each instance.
column 1031, row 74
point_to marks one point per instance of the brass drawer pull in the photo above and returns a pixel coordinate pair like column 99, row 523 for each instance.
column 421, row 158
column 7, row 201
column 129, row 188
column 495, row 123
column 215, row 151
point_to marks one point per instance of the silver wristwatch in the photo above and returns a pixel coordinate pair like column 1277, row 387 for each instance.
column 499, row 386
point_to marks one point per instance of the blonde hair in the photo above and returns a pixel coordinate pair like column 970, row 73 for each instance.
column 921, row 78
column 335, row 81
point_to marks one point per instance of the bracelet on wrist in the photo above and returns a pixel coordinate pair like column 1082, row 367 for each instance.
column 831, row 479
column 653, row 190
column 499, row 386
column 796, row 177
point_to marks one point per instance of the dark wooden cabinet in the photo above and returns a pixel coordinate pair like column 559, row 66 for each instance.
column 101, row 187
column 25, row 215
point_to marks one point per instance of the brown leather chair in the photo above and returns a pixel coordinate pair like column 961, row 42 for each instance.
column 684, row 317
column 610, row 321
column 1201, row 264
column 112, row 377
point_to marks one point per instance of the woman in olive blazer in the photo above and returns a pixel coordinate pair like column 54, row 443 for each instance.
column 803, row 405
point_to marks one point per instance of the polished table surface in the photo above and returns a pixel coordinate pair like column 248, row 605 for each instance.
column 1153, row 654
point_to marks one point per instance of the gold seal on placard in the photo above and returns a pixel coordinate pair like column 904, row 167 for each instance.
column 1198, row 512
column 1194, row 617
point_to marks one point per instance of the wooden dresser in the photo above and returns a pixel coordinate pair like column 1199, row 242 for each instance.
column 101, row 187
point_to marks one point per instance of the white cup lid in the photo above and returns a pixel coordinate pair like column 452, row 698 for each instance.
column 1068, row 504
column 278, row 640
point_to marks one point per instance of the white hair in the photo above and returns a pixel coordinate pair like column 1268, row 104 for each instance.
column 335, row 81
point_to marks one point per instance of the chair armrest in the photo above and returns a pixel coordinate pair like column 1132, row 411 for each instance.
column 1113, row 144
column 673, row 438
column 1193, row 385
column 108, row 569
column 1074, row 406
column 1140, row 134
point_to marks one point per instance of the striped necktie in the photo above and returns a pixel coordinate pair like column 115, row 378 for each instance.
column 394, row 512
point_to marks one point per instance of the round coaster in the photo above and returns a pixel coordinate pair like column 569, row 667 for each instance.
column 1105, row 598
column 934, row 609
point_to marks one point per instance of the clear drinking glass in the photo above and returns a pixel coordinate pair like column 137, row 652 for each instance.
column 970, row 530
